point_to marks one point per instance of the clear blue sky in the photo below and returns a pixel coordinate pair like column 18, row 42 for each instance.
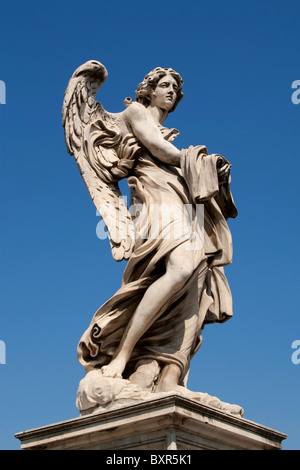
column 238, row 60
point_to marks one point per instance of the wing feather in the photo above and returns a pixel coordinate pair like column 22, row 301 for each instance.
column 92, row 135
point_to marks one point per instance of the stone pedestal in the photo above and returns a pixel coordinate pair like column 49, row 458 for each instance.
column 169, row 423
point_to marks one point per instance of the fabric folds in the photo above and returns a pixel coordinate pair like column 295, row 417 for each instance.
column 176, row 335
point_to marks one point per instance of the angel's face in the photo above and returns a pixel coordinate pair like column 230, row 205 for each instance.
column 165, row 93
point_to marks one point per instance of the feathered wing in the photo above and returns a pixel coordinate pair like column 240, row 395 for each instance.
column 92, row 135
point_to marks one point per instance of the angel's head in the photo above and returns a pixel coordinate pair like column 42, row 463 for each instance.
column 158, row 76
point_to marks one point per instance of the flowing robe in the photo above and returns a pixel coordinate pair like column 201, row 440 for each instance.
column 169, row 205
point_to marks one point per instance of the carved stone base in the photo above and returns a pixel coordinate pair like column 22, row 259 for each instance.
column 97, row 393
column 171, row 422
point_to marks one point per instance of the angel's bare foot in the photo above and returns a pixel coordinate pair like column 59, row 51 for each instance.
column 171, row 387
column 168, row 384
column 168, row 381
column 114, row 368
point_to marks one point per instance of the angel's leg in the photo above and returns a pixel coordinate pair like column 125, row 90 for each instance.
column 180, row 266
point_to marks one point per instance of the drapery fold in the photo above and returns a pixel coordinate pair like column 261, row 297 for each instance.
column 205, row 298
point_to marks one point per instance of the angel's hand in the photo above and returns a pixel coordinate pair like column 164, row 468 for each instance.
column 223, row 173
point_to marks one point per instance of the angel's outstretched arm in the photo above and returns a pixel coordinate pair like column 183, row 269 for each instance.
column 148, row 133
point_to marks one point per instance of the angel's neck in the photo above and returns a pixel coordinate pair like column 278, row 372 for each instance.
column 159, row 115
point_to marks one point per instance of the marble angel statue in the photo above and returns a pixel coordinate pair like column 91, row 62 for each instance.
column 174, row 284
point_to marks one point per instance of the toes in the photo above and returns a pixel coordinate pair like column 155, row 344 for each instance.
column 110, row 372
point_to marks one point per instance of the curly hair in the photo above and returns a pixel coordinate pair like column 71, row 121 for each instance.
column 146, row 87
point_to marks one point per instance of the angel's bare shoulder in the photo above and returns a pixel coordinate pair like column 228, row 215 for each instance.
column 135, row 111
